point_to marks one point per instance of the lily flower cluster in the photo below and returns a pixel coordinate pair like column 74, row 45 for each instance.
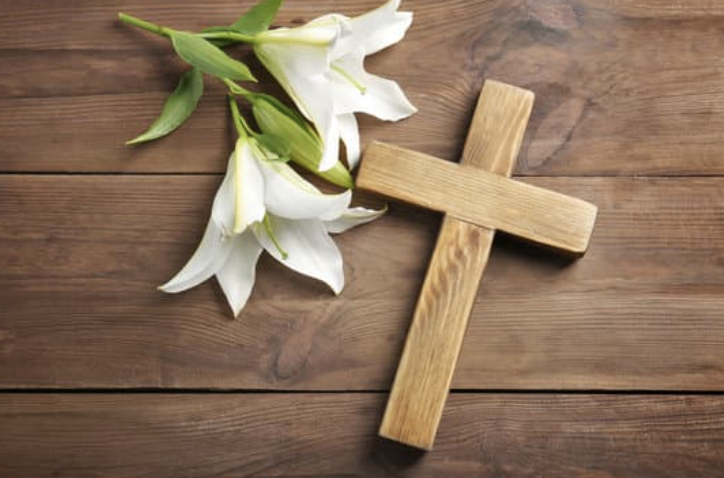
column 263, row 203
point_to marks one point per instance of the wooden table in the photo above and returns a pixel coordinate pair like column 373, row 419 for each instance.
column 612, row 366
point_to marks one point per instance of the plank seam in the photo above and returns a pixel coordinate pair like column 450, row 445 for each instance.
column 211, row 391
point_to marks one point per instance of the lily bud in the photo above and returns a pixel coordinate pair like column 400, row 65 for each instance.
column 306, row 147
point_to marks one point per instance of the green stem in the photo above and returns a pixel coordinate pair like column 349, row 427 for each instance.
column 236, row 89
column 144, row 25
column 239, row 122
column 243, row 122
column 239, row 37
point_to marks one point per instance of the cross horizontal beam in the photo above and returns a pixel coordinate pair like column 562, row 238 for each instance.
column 479, row 197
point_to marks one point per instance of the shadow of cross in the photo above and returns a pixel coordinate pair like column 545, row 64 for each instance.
column 478, row 197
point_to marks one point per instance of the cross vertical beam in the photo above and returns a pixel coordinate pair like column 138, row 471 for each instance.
column 435, row 338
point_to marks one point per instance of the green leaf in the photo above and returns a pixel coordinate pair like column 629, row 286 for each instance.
column 255, row 20
column 209, row 58
column 220, row 42
column 178, row 107
column 258, row 18
column 216, row 30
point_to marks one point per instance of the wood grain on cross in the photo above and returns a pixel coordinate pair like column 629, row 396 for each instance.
column 477, row 198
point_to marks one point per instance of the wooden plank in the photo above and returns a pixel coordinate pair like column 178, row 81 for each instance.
column 80, row 257
column 586, row 436
column 479, row 197
column 88, row 134
column 606, row 105
column 435, row 338
column 103, row 72
column 78, row 26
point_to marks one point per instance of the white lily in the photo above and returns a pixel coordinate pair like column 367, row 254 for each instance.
column 264, row 204
column 320, row 65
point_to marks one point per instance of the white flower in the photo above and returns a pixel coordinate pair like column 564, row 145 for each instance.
column 264, row 204
column 320, row 65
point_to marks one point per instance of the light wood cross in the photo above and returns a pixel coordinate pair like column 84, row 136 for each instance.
column 478, row 197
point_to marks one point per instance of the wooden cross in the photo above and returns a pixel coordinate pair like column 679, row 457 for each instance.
column 478, row 197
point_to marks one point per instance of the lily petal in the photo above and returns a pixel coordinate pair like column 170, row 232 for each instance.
column 344, row 42
column 380, row 28
column 379, row 97
column 236, row 277
column 210, row 256
column 248, row 187
column 287, row 57
column 289, row 195
column 310, row 249
column 223, row 210
column 349, row 131
column 352, row 218
column 321, row 114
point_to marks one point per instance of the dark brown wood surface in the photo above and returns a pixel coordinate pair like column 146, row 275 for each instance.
column 624, row 87
column 629, row 115
column 271, row 435
column 82, row 256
